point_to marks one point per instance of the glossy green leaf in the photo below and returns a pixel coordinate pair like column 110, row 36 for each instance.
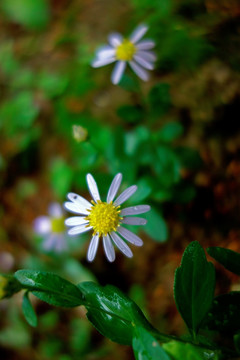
column 194, row 286
column 112, row 313
column 224, row 315
column 146, row 347
column 180, row 351
column 228, row 258
column 50, row 288
column 156, row 226
column 28, row 311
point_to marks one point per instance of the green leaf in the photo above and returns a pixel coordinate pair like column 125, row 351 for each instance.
column 128, row 83
column 228, row 258
column 170, row 132
column 31, row 14
column 61, row 176
column 224, row 315
column 18, row 113
column 52, row 84
column 50, row 288
column 130, row 113
column 194, row 286
column 112, row 313
column 160, row 99
column 156, row 226
column 180, row 351
column 146, row 347
column 167, row 166
column 28, row 311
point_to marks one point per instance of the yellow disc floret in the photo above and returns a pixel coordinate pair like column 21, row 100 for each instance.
column 104, row 217
column 57, row 224
column 125, row 50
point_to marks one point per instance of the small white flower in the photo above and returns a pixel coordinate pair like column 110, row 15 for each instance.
column 132, row 51
column 52, row 229
column 105, row 219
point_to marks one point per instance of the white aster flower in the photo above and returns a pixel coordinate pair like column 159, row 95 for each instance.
column 105, row 219
column 132, row 51
column 52, row 229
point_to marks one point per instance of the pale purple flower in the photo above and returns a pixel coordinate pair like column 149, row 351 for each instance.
column 106, row 219
column 134, row 51
column 52, row 229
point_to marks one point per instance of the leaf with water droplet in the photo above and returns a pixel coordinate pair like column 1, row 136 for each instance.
column 146, row 347
column 112, row 313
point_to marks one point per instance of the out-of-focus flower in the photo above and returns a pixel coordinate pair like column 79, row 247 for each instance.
column 132, row 51
column 80, row 134
column 52, row 229
column 105, row 219
column 8, row 286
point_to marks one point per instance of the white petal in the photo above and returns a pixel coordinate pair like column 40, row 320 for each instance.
column 92, row 186
column 114, row 187
column 42, row 225
column 115, row 39
column 135, row 210
column 143, row 62
column 105, row 52
column 79, row 230
column 108, row 248
column 125, row 195
column 55, row 210
column 138, row 33
column 134, row 221
column 76, row 220
column 92, row 249
column 143, row 74
column 147, row 55
column 120, row 243
column 75, row 208
column 145, row 44
column 102, row 62
column 79, row 200
column 118, row 71
column 130, row 236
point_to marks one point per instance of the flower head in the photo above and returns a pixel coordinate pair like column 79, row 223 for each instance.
column 52, row 228
column 105, row 218
column 132, row 51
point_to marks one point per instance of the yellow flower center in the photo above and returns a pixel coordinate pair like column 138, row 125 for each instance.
column 125, row 50
column 104, row 217
column 57, row 224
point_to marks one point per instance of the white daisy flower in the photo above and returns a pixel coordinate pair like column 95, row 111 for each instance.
column 52, row 229
column 105, row 219
column 132, row 51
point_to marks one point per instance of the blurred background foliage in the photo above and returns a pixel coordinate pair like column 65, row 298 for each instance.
column 177, row 137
